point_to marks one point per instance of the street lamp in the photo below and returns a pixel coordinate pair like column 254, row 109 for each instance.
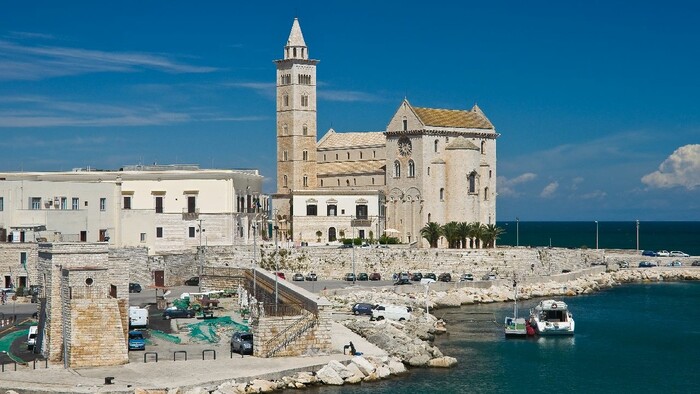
column 517, row 231
column 200, row 230
column 596, row 235
column 353, row 250
column 255, row 262
column 276, row 269
column 637, row 235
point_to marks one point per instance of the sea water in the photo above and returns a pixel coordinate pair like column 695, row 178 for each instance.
column 636, row 338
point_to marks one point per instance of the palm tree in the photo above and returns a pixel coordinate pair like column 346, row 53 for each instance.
column 463, row 231
column 490, row 234
column 431, row 232
column 451, row 232
column 475, row 233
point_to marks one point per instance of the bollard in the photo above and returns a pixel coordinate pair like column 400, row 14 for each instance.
column 179, row 351
column 148, row 354
column 208, row 350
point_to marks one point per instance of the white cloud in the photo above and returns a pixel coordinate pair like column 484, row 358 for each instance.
column 25, row 62
column 681, row 168
column 594, row 195
column 506, row 187
column 549, row 190
column 347, row 96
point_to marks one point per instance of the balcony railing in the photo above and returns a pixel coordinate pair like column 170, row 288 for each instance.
column 361, row 223
column 187, row 215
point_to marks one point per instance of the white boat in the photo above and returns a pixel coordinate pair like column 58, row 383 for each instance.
column 515, row 326
column 552, row 317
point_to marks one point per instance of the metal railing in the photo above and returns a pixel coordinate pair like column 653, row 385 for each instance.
column 289, row 334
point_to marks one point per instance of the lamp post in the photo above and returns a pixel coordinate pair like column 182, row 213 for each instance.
column 596, row 235
column 517, row 231
column 200, row 230
column 353, row 250
column 637, row 235
column 276, row 269
column 255, row 262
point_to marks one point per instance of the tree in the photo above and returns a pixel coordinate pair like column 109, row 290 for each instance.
column 475, row 234
column 463, row 231
column 431, row 232
column 319, row 233
column 490, row 234
column 451, row 233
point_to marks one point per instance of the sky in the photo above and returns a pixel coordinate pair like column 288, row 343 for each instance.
column 596, row 102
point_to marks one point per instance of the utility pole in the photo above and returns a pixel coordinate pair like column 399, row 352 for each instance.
column 255, row 261
column 353, row 251
column 276, row 270
column 201, row 253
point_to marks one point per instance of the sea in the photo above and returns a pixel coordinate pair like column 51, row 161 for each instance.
column 634, row 338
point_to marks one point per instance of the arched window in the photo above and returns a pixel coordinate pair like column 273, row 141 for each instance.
column 397, row 169
column 428, row 171
column 472, row 182
column 321, row 182
column 284, row 181
column 354, row 181
column 373, row 181
column 306, row 181
column 348, row 155
column 285, row 130
column 305, row 130
column 411, row 169
column 435, row 145
column 429, row 215
column 486, row 193
column 324, row 157
column 338, row 182
column 305, row 155
column 405, row 124
column 347, row 182
column 360, row 155
column 284, row 156
column 286, row 100
column 442, row 194
column 331, row 234
column 483, row 147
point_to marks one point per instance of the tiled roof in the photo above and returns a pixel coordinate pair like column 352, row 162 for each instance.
column 461, row 143
column 473, row 119
column 349, row 167
column 334, row 140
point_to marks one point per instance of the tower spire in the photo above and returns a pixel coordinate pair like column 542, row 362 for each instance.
column 296, row 47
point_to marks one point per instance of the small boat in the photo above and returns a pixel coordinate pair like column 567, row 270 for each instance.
column 552, row 317
column 515, row 326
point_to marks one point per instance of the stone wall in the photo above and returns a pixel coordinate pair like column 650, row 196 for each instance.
column 11, row 263
column 314, row 341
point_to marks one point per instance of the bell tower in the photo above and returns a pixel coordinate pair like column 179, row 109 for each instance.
column 296, row 119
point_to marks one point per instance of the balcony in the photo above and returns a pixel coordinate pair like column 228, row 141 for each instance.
column 188, row 214
column 361, row 223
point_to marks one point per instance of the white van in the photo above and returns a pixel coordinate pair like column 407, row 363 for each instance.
column 138, row 317
column 393, row 312
column 31, row 337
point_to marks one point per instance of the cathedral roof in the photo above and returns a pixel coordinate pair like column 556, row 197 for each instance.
column 472, row 119
column 349, row 167
column 334, row 140
column 461, row 143
column 296, row 39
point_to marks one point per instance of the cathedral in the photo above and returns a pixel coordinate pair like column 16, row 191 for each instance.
column 428, row 165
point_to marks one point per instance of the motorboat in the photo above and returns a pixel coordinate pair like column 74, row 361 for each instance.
column 552, row 317
column 515, row 326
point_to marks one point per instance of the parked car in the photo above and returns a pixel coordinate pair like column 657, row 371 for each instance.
column 362, row 308
column 350, row 277
column 696, row 263
column 416, row 277
column 466, row 278
column 678, row 253
column 363, row 276
column 674, row 264
column 134, row 288
column 136, row 340
column 623, row 264
column 430, row 275
column 663, row 253
column 298, row 277
column 646, row 264
column 242, row 342
column 489, row 276
column 375, row 276
column 280, row 275
column 311, row 277
column 393, row 312
column 402, row 281
column 178, row 313
column 193, row 281
column 345, row 246
column 565, row 271
column 31, row 337
column 649, row 253
column 365, row 246
column 444, row 277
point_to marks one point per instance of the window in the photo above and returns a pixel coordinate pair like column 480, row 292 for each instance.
column 284, row 181
column 35, row 202
column 324, row 157
column 311, row 210
column 159, row 204
column 127, row 202
column 442, row 194
column 64, row 203
column 321, row 182
column 305, row 155
column 159, row 232
column 191, row 232
column 348, row 155
column 286, row 100
column 285, row 130
column 304, row 100
column 483, row 147
column 486, row 193
column 332, row 210
column 361, row 211
column 374, row 154
column 360, row 155
column 354, row 181
column 411, row 169
column 336, row 156
column 428, row 171
column 2, row 203
column 284, row 156
column 306, row 181
column 143, row 237
column 405, row 124
column 103, row 204
column 305, row 130
column 472, row 182
column 23, row 259
column 397, row 169
column 435, row 146
column 373, row 181
column 191, row 204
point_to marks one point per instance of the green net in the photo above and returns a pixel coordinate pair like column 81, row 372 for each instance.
column 211, row 330
column 165, row 336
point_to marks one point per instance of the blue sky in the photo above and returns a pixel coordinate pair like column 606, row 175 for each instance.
column 596, row 102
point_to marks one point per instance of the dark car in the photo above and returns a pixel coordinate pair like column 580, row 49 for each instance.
column 193, row 281
column 646, row 264
column 649, row 253
column 466, row 278
column 362, row 308
column 375, row 276
column 345, row 246
column 311, row 276
column 416, row 276
column 298, row 277
column 350, row 277
column 177, row 313
column 134, row 288
column 363, row 276
column 430, row 275
column 242, row 342
column 136, row 341
column 444, row 277
column 696, row 263
column 402, row 281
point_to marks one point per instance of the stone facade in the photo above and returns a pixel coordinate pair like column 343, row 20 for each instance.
column 18, row 264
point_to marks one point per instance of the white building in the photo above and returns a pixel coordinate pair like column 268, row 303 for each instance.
column 163, row 208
